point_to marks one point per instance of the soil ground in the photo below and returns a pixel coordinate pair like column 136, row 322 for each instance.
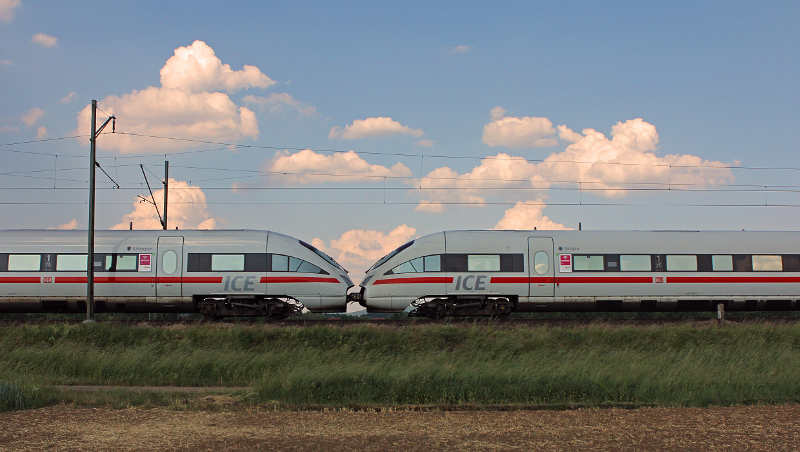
column 66, row 427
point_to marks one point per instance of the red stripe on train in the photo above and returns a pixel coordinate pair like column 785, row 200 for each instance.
column 732, row 279
column 420, row 280
column 19, row 279
column 571, row 280
column 297, row 279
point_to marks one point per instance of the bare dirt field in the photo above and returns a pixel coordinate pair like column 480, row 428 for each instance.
column 69, row 428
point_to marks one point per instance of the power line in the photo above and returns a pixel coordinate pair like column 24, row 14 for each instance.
column 42, row 140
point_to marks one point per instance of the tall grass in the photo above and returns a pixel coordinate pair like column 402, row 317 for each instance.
column 433, row 364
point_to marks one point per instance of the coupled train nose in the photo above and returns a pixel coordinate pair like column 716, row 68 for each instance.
column 357, row 297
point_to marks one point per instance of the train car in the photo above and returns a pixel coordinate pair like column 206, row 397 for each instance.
column 497, row 272
column 218, row 273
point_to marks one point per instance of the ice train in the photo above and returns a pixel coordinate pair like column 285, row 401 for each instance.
column 455, row 273
column 217, row 273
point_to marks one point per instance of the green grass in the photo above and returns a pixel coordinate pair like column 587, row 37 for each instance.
column 454, row 365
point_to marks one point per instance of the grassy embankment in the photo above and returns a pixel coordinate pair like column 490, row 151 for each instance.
column 595, row 365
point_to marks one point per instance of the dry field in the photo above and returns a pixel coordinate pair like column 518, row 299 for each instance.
column 69, row 428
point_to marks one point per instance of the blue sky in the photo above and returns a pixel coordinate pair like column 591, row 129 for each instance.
column 716, row 81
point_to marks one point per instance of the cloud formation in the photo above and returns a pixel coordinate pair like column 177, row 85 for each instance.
column 6, row 63
column 44, row 40
column 372, row 127
column 460, row 49
column 71, row 224
column 41, row 132
column 518, row 133
column 277, row 102
column 7, row 8
column 528, row 215
column 69, row 97
column 187, row 210
column 32, row 116
column 196, row 68
column 192, row 102
column 358, row 249
column 321, row 167
column 597, row 161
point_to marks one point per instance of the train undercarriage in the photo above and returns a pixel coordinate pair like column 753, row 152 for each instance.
column 215, row 307
column 482, row 306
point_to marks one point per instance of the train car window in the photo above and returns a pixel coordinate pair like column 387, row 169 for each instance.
column 433, row 263
column 227, row 262
column 541, row 263
column 612, row 262
column 198, row 262
column 635, row 262
column 280, row 263
column 742, row 263
column 71, row 263
column 3, row 262
column 722, row 263
column 405, row 267
column 24, row 262
column 382, row 260
column 586, row 263
column 169, row 262
column 767, row 263
column 417, row 264
column 49, row 262
column 126, row 263
column 483, row 262
column 704, row 263
column 791, row 262
column 681, row 263
column 512, row 263
column 308, row 267
column 255, row 262
column 455, row 262
column 294, row 263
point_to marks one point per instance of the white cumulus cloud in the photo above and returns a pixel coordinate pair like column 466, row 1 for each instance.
column 528, row 215
column 597, row 161
column 197, row 68
column 318, row 167
column 372, row 127
column 32, row 116
column 192, row 102
column 518, row 133
column 44, row 40
column 187, row 209
column 358, row 249
column 7, row 8
column 277, row 102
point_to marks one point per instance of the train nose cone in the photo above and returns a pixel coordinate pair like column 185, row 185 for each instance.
column 357, row 297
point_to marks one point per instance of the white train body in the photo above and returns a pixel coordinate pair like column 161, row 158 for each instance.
column 591, row 270
column 152, row 271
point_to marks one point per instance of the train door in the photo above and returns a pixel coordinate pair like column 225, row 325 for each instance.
column 540, row 263
column 169, row 267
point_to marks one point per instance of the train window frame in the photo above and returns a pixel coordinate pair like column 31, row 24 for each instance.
column 125, row 258
column 427, row 260
column 761, row 262
column 678, row 260
column 28, row 270
column 279, row 258
column 72, row 262
column 483, row 263
column 742, row 263
column 169, row 262
column 611, row 263
column 576, row 258
column 717, row 258
column 791, row 262
column 220, row 264
column 645, row 258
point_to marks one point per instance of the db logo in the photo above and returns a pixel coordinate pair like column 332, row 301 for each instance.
column 47, row 280
column 659, row 279
column 566, row 259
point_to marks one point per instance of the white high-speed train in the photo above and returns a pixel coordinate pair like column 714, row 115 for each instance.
column 497, row 272
column 218, row 273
